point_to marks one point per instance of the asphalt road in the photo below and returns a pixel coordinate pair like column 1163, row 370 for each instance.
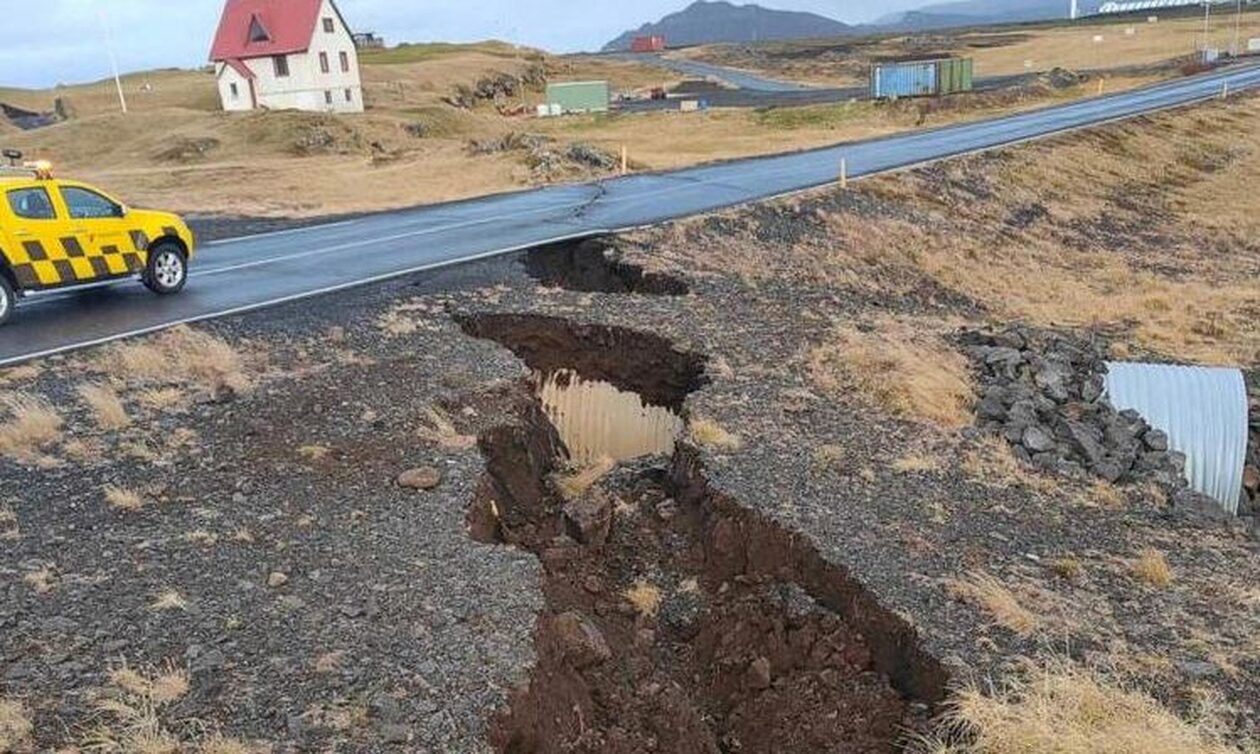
column 249, row 273
column 737, row 79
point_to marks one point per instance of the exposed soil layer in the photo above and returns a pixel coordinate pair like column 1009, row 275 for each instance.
column 585, row 265
column 635, row 361
column 676, row 619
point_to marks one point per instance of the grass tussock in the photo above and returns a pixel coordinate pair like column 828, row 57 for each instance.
column 576, row 484
column 167, row 600
column 42, row 581
column 709, row 434
column 166, row 686
column 989, row 594
column 1151, row 567
column 178, row 358
column 913, row 374
column 646, row 598
column 106, row 407
column 1063, row 709
column 15, row 726
column 123, row 499
column 133, row 714
column 32, row 425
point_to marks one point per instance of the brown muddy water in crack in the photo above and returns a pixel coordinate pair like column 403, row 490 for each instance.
column 676, row 619
column 595, row 420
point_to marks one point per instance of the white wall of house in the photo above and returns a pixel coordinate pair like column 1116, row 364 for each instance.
column 233, row 89
column 307, row 87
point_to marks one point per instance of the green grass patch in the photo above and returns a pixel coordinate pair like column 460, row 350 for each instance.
column 419, row 53
column 813, row 116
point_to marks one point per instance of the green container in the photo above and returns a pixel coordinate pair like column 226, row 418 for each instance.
column 955, row 75
column 580, row 96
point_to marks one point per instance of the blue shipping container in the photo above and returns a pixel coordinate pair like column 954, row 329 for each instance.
column 917, row 79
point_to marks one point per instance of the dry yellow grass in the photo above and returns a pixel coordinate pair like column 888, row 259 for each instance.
column 106, row 407
column 645, row 597
column 42, row 581
column 989, row 594
column 1063, row 709
column 169, row 599
column 132, row 721
column 168, row 685
column 15, row 726
column 1067, row 567
column 574, row 485
column 31, row 426
column 123, row 499
column 912, row 374
column 916, row 462
column 709, row 434
column 314, row 452
column 1151, row 567
column 180, row 357
column 991, row 461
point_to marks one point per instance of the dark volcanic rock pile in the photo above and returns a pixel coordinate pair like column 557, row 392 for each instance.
column 1043, row 392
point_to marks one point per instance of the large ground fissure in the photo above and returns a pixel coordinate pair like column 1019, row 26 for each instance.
column 677, row 619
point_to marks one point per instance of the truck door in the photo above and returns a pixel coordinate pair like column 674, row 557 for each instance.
column 36, row 255
column 99, row 226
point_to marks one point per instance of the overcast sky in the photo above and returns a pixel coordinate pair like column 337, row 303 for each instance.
column 60, row 41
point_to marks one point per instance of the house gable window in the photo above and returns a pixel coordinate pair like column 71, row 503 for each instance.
column 323, row 62
column 282, row 65
column 345, row 62
column 328, row 96
column 329, row 26
column 236, row 92
column 349, row 95
column 257, row 32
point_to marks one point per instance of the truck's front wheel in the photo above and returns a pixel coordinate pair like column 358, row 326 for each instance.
column 167, row 269
column 7, row 299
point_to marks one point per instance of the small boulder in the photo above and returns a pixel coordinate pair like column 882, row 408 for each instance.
column 582, row 641
column 1038, row 440
column 277, row 580
column 588, row 519
column 1156, row 440
column 423, row 478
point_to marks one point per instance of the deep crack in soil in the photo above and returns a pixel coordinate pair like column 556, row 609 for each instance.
column 590, row 266
column 677, row 620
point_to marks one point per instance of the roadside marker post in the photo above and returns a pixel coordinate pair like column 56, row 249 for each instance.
column 625, row 160
column 844, row 174
column 1224, row 90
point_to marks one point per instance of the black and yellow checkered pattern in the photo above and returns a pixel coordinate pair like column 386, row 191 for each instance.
column 37, row 264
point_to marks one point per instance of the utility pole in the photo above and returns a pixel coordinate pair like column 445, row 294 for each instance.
column 1076, row 10
column 1207, row 26
column 1237, row 50
column 113, row 60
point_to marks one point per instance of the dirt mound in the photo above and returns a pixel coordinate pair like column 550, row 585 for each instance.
column 1061, row 78
column 546, row 159
column 498, row 87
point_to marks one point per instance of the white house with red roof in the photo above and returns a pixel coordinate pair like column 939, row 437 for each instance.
column 286, row 55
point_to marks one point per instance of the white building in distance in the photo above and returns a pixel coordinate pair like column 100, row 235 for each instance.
column 286, row 55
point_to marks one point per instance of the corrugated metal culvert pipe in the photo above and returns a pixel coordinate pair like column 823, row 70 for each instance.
column 1204, row 413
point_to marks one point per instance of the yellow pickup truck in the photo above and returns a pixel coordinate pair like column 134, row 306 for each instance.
column 57, row 234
